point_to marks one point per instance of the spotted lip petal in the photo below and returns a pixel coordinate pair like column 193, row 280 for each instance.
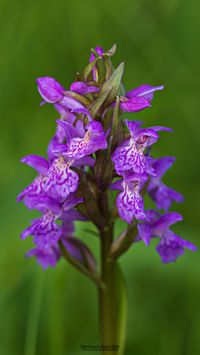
column 94, row 139
column 32, row 191
column 129, row 202
column 130, row 155
column 129, row 158
column 44, row 230
column 61, row 179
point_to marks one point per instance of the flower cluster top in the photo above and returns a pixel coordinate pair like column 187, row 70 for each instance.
column 92, row 152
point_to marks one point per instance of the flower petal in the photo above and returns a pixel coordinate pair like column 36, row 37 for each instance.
column 50, row 90
column 46, row 256
column 82, row 88
column 146, row 91
column 94, row 139
column 172, row 246
column 38, row 163
column 164, row 222
column 134, row 104
column 61, row 179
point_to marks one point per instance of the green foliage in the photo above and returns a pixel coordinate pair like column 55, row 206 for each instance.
column 56, row 311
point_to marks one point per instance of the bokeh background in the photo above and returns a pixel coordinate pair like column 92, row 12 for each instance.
column 54, row 312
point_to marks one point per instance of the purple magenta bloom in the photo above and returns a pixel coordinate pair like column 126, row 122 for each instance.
column 45, row 230
column 93, row 150
column 99, row 50
column 50, row 90
column 45, row 203
column 129, row 202
column 159, row 192
column 46, row 256
column 146, row 91
column 82, row 88
column 69, row 103
column 130, row 155
column 133, row 104
column 65, row 130
column 35, row 189
column 61, row 180
column 93, row 140
column 171, row 246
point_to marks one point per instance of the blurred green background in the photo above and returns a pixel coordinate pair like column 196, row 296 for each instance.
column 53, row 312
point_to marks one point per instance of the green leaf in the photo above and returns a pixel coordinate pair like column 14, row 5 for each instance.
column 97, row 104
column 111, row 51
column 112, row 85
column 117, row 131
column 121, row 310
column 88, row 69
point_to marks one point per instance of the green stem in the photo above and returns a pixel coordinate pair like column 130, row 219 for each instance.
column 105, row 294
column 111, row 297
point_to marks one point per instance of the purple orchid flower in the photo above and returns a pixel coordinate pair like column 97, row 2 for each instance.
column 129, row 202
column 52, row 92
column 46, row 256
column 61, row 180
column 31, row 191
column 36, row 188
column 67, row 126
column 130, row 155
column 159, row 192
column 171, row 246
column 91, row 152
column 93, row 140
column 139, row 98
column 45, row 230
